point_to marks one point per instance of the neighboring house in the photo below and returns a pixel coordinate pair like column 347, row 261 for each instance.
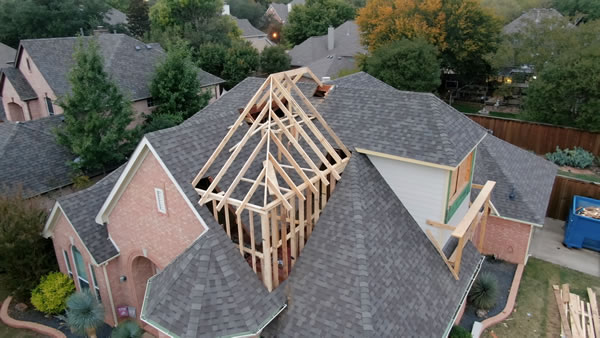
column 7, row 55
column 327, row 55
column 369, row 186
column 280, row 12
column 532, row 16
column 256, row 37
column 32, row 160
column 115, row 17
column 30, row 89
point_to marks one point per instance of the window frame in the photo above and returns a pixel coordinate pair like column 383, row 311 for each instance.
column 49, row 106
column 68, row 263
column 95, row 283
column 458, row 189
column 79, row 277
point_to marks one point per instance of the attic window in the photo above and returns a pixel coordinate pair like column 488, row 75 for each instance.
column 322, row 90
column 28, row 65
column 160, row 200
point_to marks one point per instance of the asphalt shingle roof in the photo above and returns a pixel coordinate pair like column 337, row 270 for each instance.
column 81, row 209
column 7, row 55
column 31, row 158
column 247, row 29
column 525, row 176
column 532, row 16
column 18, row 81
column 216, row 292
column 368, row 270
column 331, row 66
column 281, row 10
column 131, row 68
column 115, row 17
column 346, row 43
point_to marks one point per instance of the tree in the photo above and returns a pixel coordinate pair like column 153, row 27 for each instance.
column 210, row 56
column 567, row 91
column 28, row 19
column 406, row 65
column 589, row 9
column 274, row 59
column 175, row 86
column 166, row 13
column 315, row 17
column 138, row 17
column 84, row 313
column 96, row 113
column 25, row 256
column 508, row 10
column 241, row 60
column 247, row 9
column 461, row 30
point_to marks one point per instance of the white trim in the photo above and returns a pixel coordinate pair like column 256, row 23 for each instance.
column 94, row 283
column 161, row 204
column 46, row 233
column 110, row 296
column 68, row 264
column 132, row 166
column 79, row 278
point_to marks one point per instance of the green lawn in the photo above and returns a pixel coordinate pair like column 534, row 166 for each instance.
column 467, row 107
column 505, row 115
column 536, row 310
column 6, row 331
column 585, row 177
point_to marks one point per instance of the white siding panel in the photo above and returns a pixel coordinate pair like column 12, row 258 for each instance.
column 421, row 189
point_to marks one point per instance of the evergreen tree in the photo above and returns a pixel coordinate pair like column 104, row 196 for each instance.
column 96, row 113
column 137, row 14
column 274, row 59
column 241, row 60
column 175, row 85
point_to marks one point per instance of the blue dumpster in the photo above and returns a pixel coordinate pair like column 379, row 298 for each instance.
column 582, row 231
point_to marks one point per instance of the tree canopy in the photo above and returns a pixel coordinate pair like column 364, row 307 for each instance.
column 314, row 18
column 589, row 9
column 138, row 17
column 406, row 65
column 508, row 10
column 247, row 9
column 241, row 60
column 96, row 113
column 274, row 59
column 35, row 19
column 167, row 13
column 461, row 30
column 175, row 86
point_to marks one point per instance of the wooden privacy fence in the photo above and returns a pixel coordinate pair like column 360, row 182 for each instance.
column 538, row 137
column 563, row 191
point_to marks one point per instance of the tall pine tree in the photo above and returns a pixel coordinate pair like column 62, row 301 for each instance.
column 138, row 17
column 96, row 113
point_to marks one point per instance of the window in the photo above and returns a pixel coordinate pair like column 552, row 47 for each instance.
column 460, row 178
column 160, row 200
column 28, row 65
column 68, row 263
column 49, row 106
column 150, row 102
column 95, row 284
column 84, row 284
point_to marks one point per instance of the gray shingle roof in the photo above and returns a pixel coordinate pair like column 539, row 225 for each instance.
column 131, row 69
column 413, row 125
column 215, row 291
column 527, row 176
column 31, row 157
column 115, row 17
column 369, row 271
column 281, row 10
column 534, row 15
column 247, row 29
column 346, row 43
column 331, row 66
column 18, row 81
column 7, row 55
column 81, row 209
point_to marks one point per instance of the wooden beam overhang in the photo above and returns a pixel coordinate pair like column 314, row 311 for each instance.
column 290, row 138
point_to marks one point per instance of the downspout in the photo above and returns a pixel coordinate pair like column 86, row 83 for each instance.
column 110, row 296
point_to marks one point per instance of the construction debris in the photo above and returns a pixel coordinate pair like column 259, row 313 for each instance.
column 593, row 212
column 579, row 319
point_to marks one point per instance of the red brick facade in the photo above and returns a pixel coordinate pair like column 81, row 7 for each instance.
column 507, row 240
column 147, row 239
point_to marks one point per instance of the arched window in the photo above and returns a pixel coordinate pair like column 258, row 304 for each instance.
column 82, row 276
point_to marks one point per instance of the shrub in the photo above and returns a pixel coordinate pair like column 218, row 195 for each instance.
column 84, row 313
column 25, row 256
column 578, row 157
column 50, row 296
column 459, row 332
column 127, row 329
column 484, row 291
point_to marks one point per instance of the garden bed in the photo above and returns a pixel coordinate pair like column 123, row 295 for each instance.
column 504, row 273
column 33, row 315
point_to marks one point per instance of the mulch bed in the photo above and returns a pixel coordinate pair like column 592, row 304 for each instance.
column 504, row 273
column 33, row 315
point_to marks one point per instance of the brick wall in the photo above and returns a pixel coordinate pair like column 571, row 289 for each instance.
column 507, row 240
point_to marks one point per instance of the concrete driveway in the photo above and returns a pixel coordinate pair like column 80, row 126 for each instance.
column 547, row 244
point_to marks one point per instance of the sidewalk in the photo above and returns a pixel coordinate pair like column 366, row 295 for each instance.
column 546, row 244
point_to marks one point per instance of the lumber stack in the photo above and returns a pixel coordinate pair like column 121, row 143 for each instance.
column 593, row 212
column 579, row 319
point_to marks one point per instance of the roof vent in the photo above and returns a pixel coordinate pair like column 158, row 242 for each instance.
column 148, row 46
column 138, row 48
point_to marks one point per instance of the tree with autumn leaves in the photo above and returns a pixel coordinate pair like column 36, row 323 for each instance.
column 461, row 30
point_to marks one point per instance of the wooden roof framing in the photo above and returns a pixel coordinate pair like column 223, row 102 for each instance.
column 296, row 125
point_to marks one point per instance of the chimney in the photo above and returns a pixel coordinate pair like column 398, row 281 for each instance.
column 330, row 38
column 100, row 30
column 289, row 7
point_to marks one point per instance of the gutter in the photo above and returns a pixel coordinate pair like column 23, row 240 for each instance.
column 110, row 296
